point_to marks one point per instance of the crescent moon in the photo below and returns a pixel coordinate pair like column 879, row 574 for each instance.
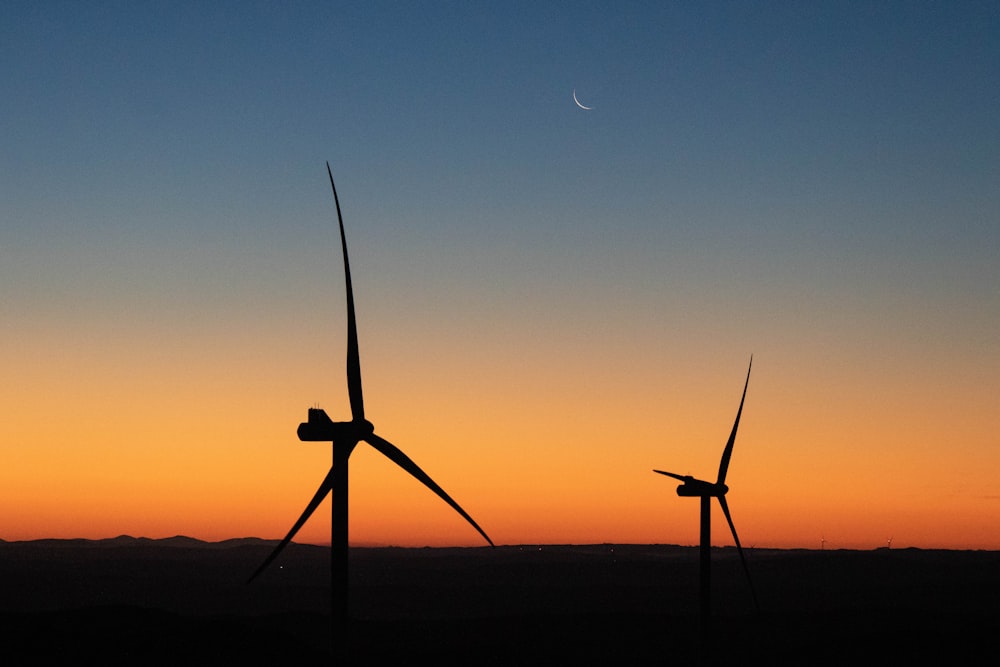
column 578, row 102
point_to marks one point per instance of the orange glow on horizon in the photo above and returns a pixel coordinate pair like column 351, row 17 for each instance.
column 545, row 442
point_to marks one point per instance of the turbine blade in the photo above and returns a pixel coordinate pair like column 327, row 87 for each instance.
column 321, row 492
column 672, row 474
column 353, row 359
column 727, row 453
column 739, row 548
column 395, row 455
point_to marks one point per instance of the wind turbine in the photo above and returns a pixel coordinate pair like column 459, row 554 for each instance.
column 345, row 436
column 697, row 488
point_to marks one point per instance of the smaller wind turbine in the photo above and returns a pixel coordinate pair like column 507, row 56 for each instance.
column 697, row 488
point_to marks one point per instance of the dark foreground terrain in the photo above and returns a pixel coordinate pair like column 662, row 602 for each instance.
column 184, row 602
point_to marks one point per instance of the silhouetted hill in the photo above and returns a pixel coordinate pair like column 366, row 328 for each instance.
column 180, row 600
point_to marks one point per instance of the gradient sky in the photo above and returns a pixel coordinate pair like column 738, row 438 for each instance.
column 551, row 301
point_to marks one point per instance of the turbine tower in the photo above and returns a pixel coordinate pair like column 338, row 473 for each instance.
column 345, row 436
column 697, row 488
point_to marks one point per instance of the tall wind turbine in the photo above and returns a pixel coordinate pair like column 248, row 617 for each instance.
column 697, row 488
column 345, row 436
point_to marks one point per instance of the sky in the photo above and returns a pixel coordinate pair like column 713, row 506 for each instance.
column 551, row 301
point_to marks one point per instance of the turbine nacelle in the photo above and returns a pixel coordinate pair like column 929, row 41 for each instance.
column 699, row 488
column 693, row 487
column 320, row 428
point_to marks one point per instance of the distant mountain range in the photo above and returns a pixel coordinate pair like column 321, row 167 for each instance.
column 128, row 540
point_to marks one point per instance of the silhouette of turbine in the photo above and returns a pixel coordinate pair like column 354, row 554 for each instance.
column 345, row 436
column 706, row 491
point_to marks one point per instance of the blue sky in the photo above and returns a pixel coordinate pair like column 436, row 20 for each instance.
column 733, row 119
